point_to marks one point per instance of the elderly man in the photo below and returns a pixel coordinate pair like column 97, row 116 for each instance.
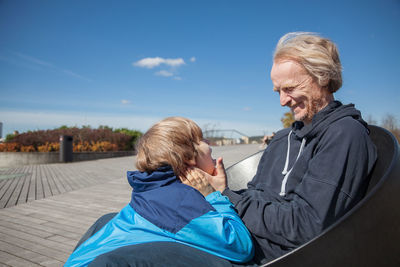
column 309, row 175
column 314, row 172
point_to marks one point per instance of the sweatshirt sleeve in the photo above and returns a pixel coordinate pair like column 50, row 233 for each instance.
column 220, row 232
column 334, row 181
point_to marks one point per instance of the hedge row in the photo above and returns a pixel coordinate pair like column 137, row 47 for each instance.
column 84, row 139
column 103, row 146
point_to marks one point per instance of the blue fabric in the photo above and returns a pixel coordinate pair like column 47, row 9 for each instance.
column 164, row 201
column 218, row 230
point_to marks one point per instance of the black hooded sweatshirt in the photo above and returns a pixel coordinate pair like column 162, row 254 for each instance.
column 308, row 177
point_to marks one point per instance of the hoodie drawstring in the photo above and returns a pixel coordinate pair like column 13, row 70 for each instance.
column 285, row 169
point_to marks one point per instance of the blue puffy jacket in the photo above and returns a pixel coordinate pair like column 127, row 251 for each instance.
column 164, row 209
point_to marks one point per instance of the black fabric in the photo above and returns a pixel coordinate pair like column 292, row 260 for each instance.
column 328, row 178
column 103, row 220
column 158, row 254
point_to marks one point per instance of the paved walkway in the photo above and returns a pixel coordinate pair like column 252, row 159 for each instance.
column 49, row 207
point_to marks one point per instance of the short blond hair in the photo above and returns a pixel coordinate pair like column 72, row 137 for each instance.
column 318, row 55
column 172, row 142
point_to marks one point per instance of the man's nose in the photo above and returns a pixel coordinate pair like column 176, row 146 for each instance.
column 284, row 98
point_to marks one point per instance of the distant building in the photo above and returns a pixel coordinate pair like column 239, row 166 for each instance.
column 219, row 138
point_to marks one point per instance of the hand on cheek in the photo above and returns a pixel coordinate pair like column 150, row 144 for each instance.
column 218, row 179
column 197, row 179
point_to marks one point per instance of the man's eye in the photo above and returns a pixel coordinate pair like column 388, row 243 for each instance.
column 288, row 90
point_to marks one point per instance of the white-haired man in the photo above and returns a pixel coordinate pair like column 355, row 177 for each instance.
column 315, row 171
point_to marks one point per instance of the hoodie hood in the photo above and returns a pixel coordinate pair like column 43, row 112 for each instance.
column 320, row 122
column 333, row 112
column 163, row 200
column 143, row 181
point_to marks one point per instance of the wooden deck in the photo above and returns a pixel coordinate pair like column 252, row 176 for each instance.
column 34, row 182
column 46, row 208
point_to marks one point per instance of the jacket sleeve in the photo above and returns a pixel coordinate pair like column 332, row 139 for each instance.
column 220, row 232
column 334, row 180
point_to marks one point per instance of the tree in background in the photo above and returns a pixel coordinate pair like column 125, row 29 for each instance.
column 287, row 119
column 134, row 134
column 389, row 122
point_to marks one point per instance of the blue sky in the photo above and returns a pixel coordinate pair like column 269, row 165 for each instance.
column 132, row 63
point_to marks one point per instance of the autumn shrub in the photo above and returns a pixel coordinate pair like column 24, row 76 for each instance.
column 81, row 147
column 84, row 139
column 49, row 147
column 27, row 149
column 10, row 147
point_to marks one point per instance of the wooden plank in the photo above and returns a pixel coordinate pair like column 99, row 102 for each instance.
column 23, row 196
column 4, row 189
column 8, row 192
column 30, row 252
column 19, row 216
column 60, row 219
column 13, row 198
column 24, row 228
column 62, row 181
column 8, row 170
column 71, row 176
column 2, row 184
column 50, row 179
column 39, row 194
column 56, row 178
column 45, row 182
column 34, row 236
column 38, row 246
column 31, row 195
column 9, row 259
column 64, row 240
column 37, row 224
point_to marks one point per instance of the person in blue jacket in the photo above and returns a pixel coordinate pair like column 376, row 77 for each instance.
column 162, row 208
column 312, row 173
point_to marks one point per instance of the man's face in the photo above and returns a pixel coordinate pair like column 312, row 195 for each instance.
column 298, row 91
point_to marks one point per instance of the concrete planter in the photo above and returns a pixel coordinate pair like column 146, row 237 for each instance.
column 14, row 159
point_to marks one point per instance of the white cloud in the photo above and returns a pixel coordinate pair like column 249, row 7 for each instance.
column 125, row 102
column 152, row 62
column 149, row 62
column 192, row 59
column 177, row 78
column 164, row 73
column 174, row 62
column 246, row 108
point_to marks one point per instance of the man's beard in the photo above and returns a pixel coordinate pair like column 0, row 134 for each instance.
column 311, row 110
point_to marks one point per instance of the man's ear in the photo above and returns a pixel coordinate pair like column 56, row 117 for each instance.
column 191, row 162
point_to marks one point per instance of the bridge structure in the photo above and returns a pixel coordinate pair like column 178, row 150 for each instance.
column 226, row 137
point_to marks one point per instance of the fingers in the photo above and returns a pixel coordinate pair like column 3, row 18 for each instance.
column 220, row 168
column 195, row 177
column 220, row 163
